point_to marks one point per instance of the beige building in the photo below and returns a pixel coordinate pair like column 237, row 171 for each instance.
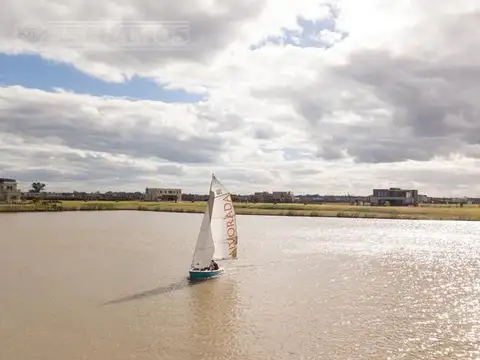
column 162, row 194
column 9, row 191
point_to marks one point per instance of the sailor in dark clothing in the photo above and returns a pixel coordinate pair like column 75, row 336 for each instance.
column 214, row 265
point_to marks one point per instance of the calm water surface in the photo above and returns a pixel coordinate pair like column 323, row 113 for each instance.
column 112, row 285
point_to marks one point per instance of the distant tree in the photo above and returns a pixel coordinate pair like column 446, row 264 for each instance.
column 37, row 187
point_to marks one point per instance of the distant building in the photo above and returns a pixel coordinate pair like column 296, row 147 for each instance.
column 9, row 191
column 330, row 199
column 262, row 197
column 162, row 194
column 194, row 197
column 283, row 196
column 241, row 198
column 309, row 199
column 395, row 197
column 423, row 199
column 274, row 197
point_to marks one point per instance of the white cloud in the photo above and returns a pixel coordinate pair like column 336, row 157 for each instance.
column 329, row 37
column 392, row 103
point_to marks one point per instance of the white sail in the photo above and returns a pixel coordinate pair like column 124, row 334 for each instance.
column 217, row 238
column 223, row 223
column 205, row 248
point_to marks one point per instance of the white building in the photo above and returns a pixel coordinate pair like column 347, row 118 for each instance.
column 9, row 191
column 163, row 194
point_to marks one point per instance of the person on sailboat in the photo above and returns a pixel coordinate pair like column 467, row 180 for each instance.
column 214, row 265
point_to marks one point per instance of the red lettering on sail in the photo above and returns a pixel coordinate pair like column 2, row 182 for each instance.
column 230, row 224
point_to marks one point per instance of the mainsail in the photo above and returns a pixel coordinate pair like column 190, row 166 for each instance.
column 217, row 238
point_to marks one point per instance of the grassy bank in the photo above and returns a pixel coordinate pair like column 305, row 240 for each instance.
column 426, row 212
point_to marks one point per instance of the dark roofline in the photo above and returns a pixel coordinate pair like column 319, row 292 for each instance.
column 2, row 180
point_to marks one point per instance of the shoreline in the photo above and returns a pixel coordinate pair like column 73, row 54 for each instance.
column 426, row 212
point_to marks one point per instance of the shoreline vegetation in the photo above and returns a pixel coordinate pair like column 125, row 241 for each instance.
column 423, row 212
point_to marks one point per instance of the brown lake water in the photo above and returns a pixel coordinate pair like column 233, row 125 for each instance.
column 112, row 285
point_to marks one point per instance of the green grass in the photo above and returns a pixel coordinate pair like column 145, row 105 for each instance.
column 425, row 212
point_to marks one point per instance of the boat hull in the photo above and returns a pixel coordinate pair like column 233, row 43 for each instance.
column 205, row 274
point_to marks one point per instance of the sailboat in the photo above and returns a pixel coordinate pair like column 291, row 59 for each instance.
column 217, row 239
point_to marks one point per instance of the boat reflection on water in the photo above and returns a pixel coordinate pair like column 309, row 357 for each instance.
column 213, row 315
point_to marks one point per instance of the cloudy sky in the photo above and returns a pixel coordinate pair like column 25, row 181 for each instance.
column 332, row 97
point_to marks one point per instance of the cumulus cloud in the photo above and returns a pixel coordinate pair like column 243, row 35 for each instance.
column 29, row 160
column 387, row 97
column 91, row 141
column 386, row 104
column 135, row 128
column 115, row 40
column 122, row 38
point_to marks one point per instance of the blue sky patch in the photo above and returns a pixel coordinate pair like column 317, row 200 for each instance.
column 32, row 71
column 307, row 36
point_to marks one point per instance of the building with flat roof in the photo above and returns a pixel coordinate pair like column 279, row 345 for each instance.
column 9, row 191
column 395, row 197
column 273, row 197
column 283, row 196
column 163, row 194
column 262, row 197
